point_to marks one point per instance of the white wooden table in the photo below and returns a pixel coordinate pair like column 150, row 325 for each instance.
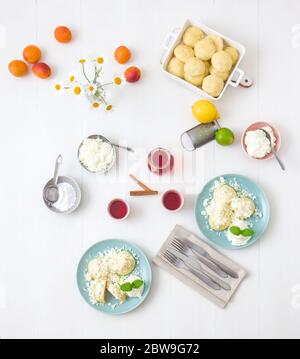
column 39, row 250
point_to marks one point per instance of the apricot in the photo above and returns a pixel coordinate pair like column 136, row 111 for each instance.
column 122, row 54
column 63, row 34
column 41, row 70
column 32, row 54
column 18, row 68
column 132, row 74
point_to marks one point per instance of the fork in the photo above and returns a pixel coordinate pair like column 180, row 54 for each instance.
column 194, row 257
column 179, row 263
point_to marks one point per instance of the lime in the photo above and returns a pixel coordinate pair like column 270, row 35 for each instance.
column 224, row 136
column 205, row 111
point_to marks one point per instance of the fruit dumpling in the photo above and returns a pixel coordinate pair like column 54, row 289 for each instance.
column 123, row 264
column 218, row 41
column 220, row 215
column 194, row 80
column 233, row 52
column 175, row 67
column 191, row 35
column 222, row 61
column 213, row 85
column 242, row 207
column 205, row 49
column 97, row 291
column 224, row 194
column 224, row 75
column 97, row 269
column 114, row 290
column 183, row 52
column 194, row 67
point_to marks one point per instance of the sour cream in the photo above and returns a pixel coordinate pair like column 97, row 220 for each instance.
column 257, row 143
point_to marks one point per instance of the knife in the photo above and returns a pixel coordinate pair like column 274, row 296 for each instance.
column 202, row 252
column 199, row 269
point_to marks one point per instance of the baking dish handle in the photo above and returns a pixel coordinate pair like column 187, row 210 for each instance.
column 237, row 81
column 169, row 39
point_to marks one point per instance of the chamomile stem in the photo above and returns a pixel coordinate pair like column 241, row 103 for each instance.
column 108, row 83
column 83, row 70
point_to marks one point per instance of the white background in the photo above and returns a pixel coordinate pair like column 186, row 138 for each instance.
column 39, row 251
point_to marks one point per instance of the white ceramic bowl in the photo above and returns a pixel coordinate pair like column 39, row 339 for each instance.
column 175, row 37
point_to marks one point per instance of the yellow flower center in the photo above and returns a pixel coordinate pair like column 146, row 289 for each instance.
column 117, row 80
column 82, row 61
column 91, row 88
column 100, row 60
column 72, row 78
column 95, row 104
column 77, row 90
column 108, row 108
column 57, row 87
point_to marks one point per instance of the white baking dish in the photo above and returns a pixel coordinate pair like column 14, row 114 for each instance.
column 175, row 37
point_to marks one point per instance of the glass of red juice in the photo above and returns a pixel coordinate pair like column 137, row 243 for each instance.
column 172, row 200
column 160, row 161
column 118, row 209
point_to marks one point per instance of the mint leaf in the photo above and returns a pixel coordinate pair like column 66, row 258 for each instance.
column 137, row 283
column 126, row 287
column 235, row 230
column 247, row 232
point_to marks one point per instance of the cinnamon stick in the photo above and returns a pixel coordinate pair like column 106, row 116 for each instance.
column 143, row 193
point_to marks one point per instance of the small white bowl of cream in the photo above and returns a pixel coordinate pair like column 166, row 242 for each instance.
column 255, row 142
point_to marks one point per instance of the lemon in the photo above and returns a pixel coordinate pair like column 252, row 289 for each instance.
column 205, row 111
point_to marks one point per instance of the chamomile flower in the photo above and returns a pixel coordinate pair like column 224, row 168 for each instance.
column 82, row 61
column 90, row 89
column 72, row 78
column 76, row 89
column 58, row 87
column 96, row 104
column 100, row 60
column 108, row 107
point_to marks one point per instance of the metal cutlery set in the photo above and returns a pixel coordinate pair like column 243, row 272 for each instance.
column 193, row 258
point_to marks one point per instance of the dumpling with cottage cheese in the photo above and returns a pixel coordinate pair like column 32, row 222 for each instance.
column 204, row 49
column 219, row 215
column 97, row 269
column 242, row 207
column 123, row 264
column 224, row 194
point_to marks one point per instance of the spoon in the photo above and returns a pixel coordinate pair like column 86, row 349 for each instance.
column 282, row 166
column 51, row 193
column 123, row 147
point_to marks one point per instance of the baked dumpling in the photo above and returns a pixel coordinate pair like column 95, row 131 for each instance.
column 183, row 52
column 220, row 217
column 194, row 67
column 194, row 80
column 222, row 61
column 114, row 289
column 242, row 207
column 218, row 41
column 94, row 269
column 224, row 194
column 123, row 264
column 204, row 49
column 224, row 75
column 191, row 35
column 97, row 291
column 213, row 85
column 175, row 67
column 233, row 52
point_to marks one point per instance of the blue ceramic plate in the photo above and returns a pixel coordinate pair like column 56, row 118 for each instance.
column 143, row 268
column 259, row 224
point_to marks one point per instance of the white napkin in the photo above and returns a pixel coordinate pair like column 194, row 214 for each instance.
column 219, row 297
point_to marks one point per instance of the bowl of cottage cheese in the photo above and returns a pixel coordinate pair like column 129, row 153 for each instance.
column 255, row 142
